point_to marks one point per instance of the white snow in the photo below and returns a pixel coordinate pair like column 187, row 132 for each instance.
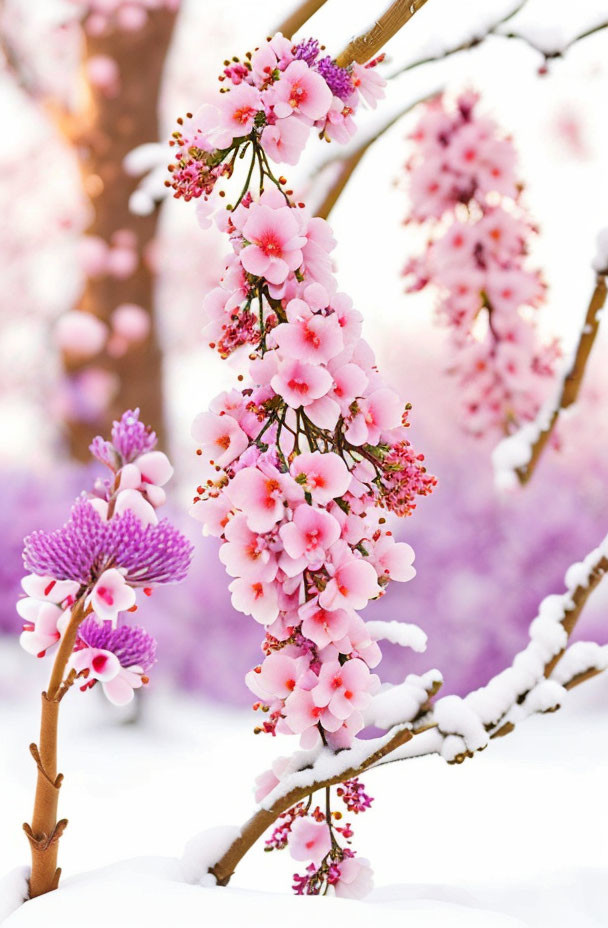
column 600, row 261
column 393, row 705
column 13, row 891
column 204, row 850
column 476, row 845
column 405, row 634
column 579, row 658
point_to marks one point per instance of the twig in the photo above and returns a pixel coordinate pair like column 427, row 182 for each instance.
column 350, row 163
column 462, row 46
column 572, row 381
column 365, row 46
column 494, row 30
column 300, row 15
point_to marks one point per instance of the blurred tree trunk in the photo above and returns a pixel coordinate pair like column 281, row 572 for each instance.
column 113, row 126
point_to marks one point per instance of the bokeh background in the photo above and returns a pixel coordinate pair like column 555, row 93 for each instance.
column 484, row 558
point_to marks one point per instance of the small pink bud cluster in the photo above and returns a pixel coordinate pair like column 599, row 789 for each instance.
column 271, row 101
column 463, row 185
column 112, row 545
column 313, row 835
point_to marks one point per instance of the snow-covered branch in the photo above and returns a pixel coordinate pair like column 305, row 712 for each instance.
column 540, row 40
column 518, row 455
column 454, row 728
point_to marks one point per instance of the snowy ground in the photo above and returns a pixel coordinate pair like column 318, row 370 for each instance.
column 514, row 837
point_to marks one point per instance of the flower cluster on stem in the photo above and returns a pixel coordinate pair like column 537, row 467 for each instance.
column 464, row 189
column 112, row 546
column 311, row 449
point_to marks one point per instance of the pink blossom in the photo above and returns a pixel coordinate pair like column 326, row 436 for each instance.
column 344, row 687
column 356, row 878
column 214, row 513
column 285, row 141
column 42, row 626
column 219, row 436
column 262, row 496
column 309, row 840
column 321, row 626
column 309, row 535
column 303, row 717
column 301, row 91
column 239, row 108
column 255, row 598
column 353, row 581
column 278, row 676
column 118, row 683
column 300, row 384
column 369, row 83
column 311, row 338
column 244, row 552
column 111, row 595
column 324, row 476
column 275, row 245
column 394, row 559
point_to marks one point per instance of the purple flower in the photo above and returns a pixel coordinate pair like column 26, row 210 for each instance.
column 307, row 51
column 337, row 79
column 130, row 439
column 131, row 644
column 87, row 545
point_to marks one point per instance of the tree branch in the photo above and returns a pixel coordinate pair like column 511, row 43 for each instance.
column 522, row 451
column 464, row 46
column 350, row 163
column 299, row 17
column 455, row 728
column 365, row 46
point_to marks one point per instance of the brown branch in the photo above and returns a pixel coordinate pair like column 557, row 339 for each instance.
column 365, row 46
column 350, row 163
column 494, row 30
column 258, row 823
column 45, row 831
column 572, row 381
column 264, row 818
column 300, row 15
column 463, row 46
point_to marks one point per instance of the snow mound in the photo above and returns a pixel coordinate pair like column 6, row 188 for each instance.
column 148, row 891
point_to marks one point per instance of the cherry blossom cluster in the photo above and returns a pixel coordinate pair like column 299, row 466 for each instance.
column 130, row 15
column 312, row 834
column 307, row 454
column 270, row 102
column 112, row 545
column 463, row 187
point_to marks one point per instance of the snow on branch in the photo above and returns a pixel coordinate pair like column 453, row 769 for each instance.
column 547, row 42
column 454, row 728
column 517, row 456
column 404, row 634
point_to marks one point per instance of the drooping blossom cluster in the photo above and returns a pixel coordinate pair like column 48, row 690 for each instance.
column 89, row 570
column 311, row 448
column 311, row 834
column 270, row 102
column 463, row 187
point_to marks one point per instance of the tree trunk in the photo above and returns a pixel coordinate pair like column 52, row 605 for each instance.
column 113, row 126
